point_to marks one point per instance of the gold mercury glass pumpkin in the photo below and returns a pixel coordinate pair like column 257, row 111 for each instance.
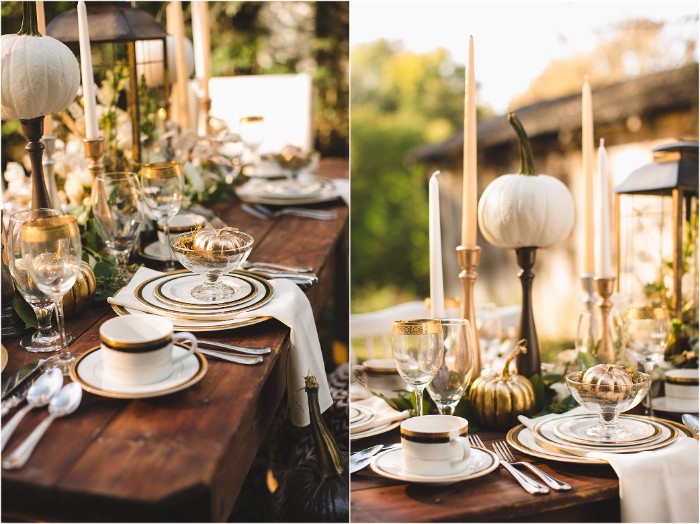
column 77, row 300
column 210, row 239
column 498, row 400
column 608, row 381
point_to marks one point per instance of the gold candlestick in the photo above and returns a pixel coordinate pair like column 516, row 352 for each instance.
column 606, row 345
column 94, row 150
column 204, row 108
column 468, row 259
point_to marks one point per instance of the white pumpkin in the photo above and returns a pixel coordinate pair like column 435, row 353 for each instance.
column 40, row 75
column 527, row 209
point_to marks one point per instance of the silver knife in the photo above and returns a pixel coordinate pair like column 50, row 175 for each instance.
column 25, row 373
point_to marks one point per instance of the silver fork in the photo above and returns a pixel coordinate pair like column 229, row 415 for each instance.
column 531, row 486
column 264, row 213
column 506, row 454
column 279, row 267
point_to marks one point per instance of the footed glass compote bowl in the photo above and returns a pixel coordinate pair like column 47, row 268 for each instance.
column 293, row 160
column 608, row 390
column 211, row 253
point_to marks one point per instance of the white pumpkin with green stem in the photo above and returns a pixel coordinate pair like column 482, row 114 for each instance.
column 526, row 209
column 40, row 75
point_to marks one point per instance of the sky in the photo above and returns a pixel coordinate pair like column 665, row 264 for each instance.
column 513, row 40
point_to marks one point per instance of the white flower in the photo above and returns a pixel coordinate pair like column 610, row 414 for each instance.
column 193, row 176
column 562, row 391
column 74, row 190
column 567, row 356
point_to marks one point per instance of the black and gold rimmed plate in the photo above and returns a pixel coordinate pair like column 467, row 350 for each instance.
column 145, row 294
column 176, row 290
column 573, row 430
column 254, row 192
column 87, row 371
column 361, row 415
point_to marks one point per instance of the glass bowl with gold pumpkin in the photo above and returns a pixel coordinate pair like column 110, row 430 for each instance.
column 608, row 390
column 211, row 253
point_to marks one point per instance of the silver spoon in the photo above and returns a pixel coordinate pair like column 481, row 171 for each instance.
column 64, row 403
column 38, row 395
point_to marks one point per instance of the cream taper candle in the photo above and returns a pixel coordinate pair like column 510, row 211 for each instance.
column 92, row 130
column 202, row 45
column 437, row 293
column 587, row 263
column 603, row 259
column 469, row 182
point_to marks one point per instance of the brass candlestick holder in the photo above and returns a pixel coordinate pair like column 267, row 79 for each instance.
column 204, row 109
column 33, row 130
column 605, row 352
column 48, row 164
column 94, row 150
column 468, row 259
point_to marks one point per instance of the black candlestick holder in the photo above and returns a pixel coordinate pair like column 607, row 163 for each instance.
column 33, row 130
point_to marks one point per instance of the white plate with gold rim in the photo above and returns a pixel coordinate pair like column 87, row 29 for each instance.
column 675, row 405
column 177, row 289
column 254, row 192
column 389, row 464
column 361, row 414
column 87, row 370
column 573, row 430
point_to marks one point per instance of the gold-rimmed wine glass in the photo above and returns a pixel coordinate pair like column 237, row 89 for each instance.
column 417, row 347
column 163, row 186
column 252, row 131
column 647, row 330
column 51, row 250
column 44, row 339
column 118, row 216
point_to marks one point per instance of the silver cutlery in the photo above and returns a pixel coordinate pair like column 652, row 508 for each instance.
column 263, row 213
column 526, row 482
column 64, row 403
column 692, row 423
column 360, row 459
column 238, row 359
column 299, row 277
column 13, row 401
column 279, row 267
column 249, row 350
column 14, row 381
column 504, row 453
column 38, row 395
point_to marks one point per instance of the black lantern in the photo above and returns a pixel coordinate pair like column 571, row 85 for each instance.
column 657, row 233
column 129, row 57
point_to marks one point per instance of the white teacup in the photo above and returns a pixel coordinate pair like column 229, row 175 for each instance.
column 682, row 384
column 435, row 445
column 379, row 376
column 138, row 349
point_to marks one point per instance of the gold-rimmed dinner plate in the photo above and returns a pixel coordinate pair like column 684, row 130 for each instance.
column 176, row 290
column 573, row 430
column 359, row 414
column 87, row 370
column 254, row 192
column 389, row 464
column 544, row 435
column 375, row 431
column 145, row 294
column 293, row 189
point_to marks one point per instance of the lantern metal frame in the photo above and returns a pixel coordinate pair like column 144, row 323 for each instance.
column 673, row 173
column 118, row 23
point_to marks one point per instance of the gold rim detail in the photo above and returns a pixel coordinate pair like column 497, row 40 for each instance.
column 47, row 229
column 416, row 327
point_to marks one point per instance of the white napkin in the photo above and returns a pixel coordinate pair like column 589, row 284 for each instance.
column 290, row 306
column 380, row 421
column 655, row 486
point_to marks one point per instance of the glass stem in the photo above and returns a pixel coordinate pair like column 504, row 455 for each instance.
column 648, row 368
column 43, row 318
column 65, row 354
column 419, row 401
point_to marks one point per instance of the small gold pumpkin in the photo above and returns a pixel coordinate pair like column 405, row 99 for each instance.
column 608, row 381
column 210, row 239
column 498, row 400
column 77, row 300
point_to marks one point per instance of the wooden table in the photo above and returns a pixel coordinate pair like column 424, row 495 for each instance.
column 181, row 457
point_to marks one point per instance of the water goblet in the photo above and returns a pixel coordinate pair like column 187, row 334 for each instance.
column 44, row 339
column 488, row 324
column 118, row 216
column 455, row 372
column 51, row 249
column 417, row 347
column 162, row 186
column 252, row 131
column 646, row 332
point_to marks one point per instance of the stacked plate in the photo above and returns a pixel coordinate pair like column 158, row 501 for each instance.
column 284, row 192
column 169, row 294
column 563, row 438
column 371, row 417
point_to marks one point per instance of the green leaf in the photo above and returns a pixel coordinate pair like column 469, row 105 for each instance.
column 538, row 386
column 24, row 310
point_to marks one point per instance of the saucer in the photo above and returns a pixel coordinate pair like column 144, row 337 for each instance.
column 675, row 405
column 155, row 251
column 389, row 464
column 87, row 370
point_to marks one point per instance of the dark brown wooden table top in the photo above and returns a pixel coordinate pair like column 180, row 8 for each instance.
column 184, row 456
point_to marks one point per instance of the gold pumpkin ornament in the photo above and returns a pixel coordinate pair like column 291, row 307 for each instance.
column 498, row 400
column 77, row 300
column 608, row 381
column 210, row 239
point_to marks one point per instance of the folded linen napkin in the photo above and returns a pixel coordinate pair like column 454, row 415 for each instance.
column 384, row 419
column 655, row 486
column 290, row 306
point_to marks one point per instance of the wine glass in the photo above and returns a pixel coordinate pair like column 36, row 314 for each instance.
column 44, row 339
column 115, row 206
column 51, row 250
column 488, row 324
column 163, row 185
column 646, row 332
column 455, row 372
column 418, row 347
column 252, row 131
